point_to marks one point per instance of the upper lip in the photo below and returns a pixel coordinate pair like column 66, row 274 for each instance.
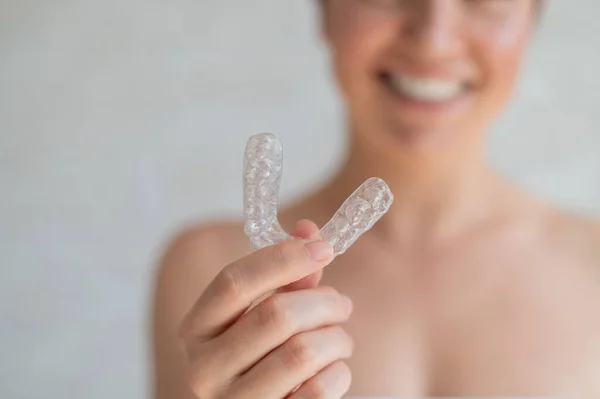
column 440, row 73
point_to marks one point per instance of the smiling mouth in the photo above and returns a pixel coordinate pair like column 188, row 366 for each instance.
column 421, row 89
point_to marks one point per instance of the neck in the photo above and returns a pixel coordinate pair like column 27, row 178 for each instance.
column 437, row 192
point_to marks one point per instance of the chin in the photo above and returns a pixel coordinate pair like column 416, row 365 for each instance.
column 419, row 132
column 423, row 137
column 408, row 138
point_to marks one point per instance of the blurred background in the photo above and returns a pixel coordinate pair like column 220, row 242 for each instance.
column 123, row 120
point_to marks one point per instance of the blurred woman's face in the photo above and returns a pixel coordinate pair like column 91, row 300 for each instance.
column 422, row 70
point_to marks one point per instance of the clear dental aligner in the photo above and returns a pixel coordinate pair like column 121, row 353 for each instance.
column 263, row 162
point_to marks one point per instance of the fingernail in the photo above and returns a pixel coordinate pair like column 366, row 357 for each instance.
column 347, row 303
column 319, row 250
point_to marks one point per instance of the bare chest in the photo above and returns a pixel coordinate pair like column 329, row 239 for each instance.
column 472, row 326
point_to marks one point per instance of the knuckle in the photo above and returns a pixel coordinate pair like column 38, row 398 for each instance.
column 183, row 331
column 314, row 389
column 197, row 382
column 344, row 374
column 231, row 281
column 299, row 353
column 272, row 313
column 338, row 302
column 342, row 341
column 203, row 379
column 283, row 254
column 338, row 380
column 348, row 342
column 185, row 336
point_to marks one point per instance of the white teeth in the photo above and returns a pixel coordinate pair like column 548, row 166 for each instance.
column 425, row 89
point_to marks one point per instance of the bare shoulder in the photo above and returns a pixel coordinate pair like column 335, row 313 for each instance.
column 578, row 234
column 197, row 254
column 190, row 262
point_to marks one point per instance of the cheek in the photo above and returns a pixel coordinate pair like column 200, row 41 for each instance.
column 500, row 51
column 356, row 42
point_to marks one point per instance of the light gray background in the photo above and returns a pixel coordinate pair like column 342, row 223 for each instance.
column 120, row 120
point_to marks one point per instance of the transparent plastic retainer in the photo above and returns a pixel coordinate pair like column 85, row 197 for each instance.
column 263, row 161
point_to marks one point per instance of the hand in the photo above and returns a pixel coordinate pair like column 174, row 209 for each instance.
column 290, row 345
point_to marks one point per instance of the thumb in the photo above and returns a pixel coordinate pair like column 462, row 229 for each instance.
column 308, row 230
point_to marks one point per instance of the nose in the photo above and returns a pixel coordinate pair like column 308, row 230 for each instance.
column 433, row 29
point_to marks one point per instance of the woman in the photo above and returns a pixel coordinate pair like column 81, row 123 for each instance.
column 467, row 286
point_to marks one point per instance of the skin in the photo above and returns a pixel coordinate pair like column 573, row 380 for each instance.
column 467, row 287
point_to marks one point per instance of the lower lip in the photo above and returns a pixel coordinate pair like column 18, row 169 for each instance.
column 436, row 107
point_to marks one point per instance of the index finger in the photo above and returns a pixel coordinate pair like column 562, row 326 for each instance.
column 246, row 279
